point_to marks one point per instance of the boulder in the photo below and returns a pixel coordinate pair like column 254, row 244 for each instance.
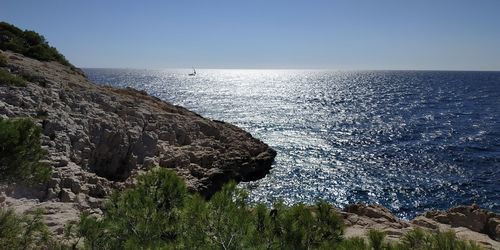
column 67, row 196
column 493, row 228
column 371, row 211
column 471, row 217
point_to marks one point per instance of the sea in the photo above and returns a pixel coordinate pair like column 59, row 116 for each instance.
column 409, row 140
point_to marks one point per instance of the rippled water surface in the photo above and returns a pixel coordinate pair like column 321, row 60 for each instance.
column 411, row 141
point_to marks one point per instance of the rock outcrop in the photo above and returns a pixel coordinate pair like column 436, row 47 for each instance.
column 98, row 138
column 471, row 217
column 468, row 222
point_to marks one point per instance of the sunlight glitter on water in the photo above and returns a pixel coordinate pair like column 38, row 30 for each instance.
column 408, row 140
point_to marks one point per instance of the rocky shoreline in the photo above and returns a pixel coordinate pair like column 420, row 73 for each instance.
column 468, row 222
column 98, row 138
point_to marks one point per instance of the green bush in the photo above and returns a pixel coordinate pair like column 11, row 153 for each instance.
column 3, row 60
column 354, row 243
column 448, row 241
column 28, row 43
column 417, row 239
column 376, row 239
column 159, row 213
column 194, row 226
column 10, row 229
column 29, row 76
column 11, row 38
column 147, row 215
column 229, row 219
column 7, row 78
column 21, row 152
column 306, row 226
column 25, row 231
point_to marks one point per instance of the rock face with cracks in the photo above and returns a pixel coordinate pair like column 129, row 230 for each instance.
column 98, row 138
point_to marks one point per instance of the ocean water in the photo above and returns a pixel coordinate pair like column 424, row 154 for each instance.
column 409, row 140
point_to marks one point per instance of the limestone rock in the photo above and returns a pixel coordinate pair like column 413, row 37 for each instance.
column 67, row 196
column 468, row 222
column 98, row 138
column 471, row 217
column 371, row 211
column 114, row 132
column 494, row 228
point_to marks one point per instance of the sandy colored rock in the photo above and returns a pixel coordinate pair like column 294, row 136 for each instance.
column 471, row 217
column 468, row 222
column 494, row 228
column 99, row 138
column 371, row 211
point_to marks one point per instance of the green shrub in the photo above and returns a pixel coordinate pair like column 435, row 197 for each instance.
column 10, row 229
column 11, row 38
column 448, row 240
column 355, row 243
column 328, row 227
column 376, row 239
column 29, row 76
column 7, row 78
column 229, row 221
column 28, row 43
column 32, row 38
column 3, row 60
column 417, row 239
column 21, row 152
column 194, row 226
column 159, row 213
column 145, row 216
column 25, row 231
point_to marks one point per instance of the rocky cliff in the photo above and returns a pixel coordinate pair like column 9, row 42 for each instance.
column 99, row 137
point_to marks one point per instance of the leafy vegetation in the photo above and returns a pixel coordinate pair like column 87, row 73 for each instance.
column 160, row 214
column 28, row 43
column 3, row 60
column 25, row 231
column 416, row 239
column 20, row 77
column 376, row 239
column 7, row 78
column 21, row 152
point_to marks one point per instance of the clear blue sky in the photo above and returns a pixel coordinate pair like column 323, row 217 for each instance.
column 350, row 34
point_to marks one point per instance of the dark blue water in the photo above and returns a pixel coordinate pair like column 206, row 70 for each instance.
column 411, row 141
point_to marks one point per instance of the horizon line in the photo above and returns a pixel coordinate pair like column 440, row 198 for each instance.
column 297, row 69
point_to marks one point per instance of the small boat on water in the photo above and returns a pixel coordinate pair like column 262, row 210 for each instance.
column 193, row 74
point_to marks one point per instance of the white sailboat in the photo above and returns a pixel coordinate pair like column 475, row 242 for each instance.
column 194, row 72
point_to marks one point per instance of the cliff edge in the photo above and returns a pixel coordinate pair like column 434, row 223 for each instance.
column 98, row 138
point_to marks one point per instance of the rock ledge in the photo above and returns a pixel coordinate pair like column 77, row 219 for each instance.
column 468, row 222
